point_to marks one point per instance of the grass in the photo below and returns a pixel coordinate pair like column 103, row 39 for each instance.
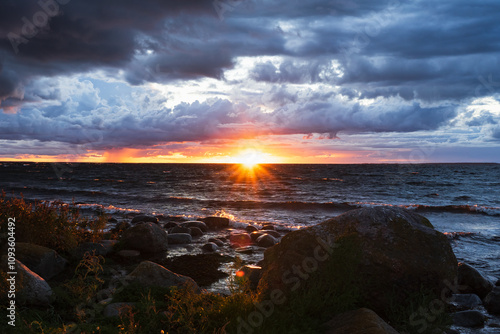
column 55, row 225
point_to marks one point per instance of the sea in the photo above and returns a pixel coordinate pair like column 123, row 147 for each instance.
column 461, row 200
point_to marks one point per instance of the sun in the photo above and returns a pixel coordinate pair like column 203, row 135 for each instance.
column 250, row 158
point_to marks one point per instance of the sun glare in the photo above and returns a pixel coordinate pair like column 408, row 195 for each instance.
column 250, row 158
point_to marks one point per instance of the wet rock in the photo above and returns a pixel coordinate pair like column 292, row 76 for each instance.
column 216, row 241
column 210, row 247
column 255, row 235
column 251, row 228
column 470, row 318
column 360, row 321
column 251, row 273
column 497, row 283
column 179, row 238
column 266, row 241
column 215, row 223
column 392, row 248
column 275, row 234
column 170, row 225
column 195, row 232
column 179, row 229
column 148, row 273
column 466, row 301
column 146, row 238
column 240, row 240
column 268, row 227
column 42, row 260
column 118, row 309
column 492, row 301
column 112, row 220
column 194, row 223
column 144, row 219
column 471, row 281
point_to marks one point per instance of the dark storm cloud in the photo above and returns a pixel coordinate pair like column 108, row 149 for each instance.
column 417, row 60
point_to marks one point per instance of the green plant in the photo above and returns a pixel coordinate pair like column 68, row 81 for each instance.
column 55, row 225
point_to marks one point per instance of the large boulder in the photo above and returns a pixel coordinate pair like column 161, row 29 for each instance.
column 471, row 281
column 33, row 290
column 148, row 273
column 360, row 321
column 146, row 238
column 383, row 253
column 42, row 260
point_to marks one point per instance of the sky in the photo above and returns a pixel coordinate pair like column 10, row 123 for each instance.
column 275, row 81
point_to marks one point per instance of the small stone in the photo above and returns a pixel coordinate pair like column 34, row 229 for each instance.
column 216, row 241
column 194, row 223
column 266, row 241
column 492, row 301
column 473, row 281
column 268, row 227
column 255, row 235
column 195, row 232
column 117, row 309
column 251, row 228
column 179, row 229
column 247, row 250
column 466, row 301
column 215, row 223
column 179, row 238
column 275, row 234
column 470, row 318
column 170, row 225
column 210, row 247
column 144, row 219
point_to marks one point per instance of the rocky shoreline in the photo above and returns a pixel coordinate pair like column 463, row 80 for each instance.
column 382, row 256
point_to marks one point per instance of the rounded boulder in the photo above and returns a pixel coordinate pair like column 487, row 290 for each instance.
column 146, row 238
column 384, row 253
